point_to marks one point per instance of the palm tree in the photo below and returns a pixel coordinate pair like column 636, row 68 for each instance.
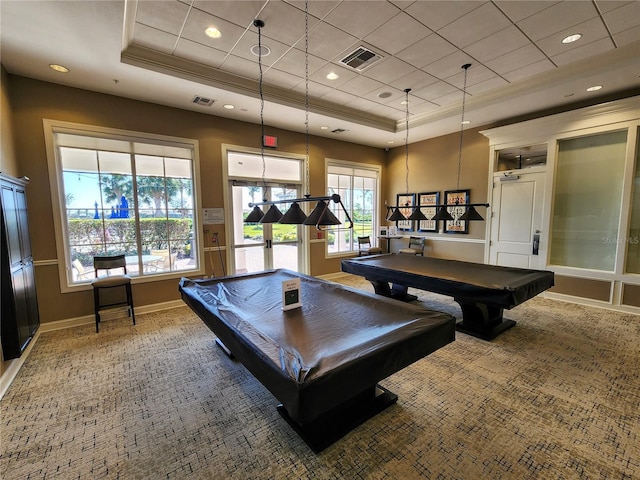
column 114, row 186
column 158, row 191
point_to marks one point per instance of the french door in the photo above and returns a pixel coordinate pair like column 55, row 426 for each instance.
column 258, row 247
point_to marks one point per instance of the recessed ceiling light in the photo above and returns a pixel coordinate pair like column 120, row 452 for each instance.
column 404, row 102
column 594, row 88
column 213, row 32
column 572, row 38
column 324, row 127
column 256, row 49
column 58, row 68
column 466, row 122
column 390, row 142
column 228, row 106
column 333, row 76
column 384, row 94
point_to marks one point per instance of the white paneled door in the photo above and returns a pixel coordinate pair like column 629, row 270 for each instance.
column 516, row 225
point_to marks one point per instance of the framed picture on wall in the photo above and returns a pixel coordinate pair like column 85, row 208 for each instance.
column 405, row 202
column 453, row 197
column 424, row 200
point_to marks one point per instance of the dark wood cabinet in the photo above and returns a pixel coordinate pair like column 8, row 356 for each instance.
column 20, row 319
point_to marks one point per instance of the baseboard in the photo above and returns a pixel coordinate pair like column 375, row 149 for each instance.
column 332, row 276
column 108, row 315
column 15, row 364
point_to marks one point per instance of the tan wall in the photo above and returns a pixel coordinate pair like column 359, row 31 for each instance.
column 33, row 100
column 433, row 166
column 8, row 162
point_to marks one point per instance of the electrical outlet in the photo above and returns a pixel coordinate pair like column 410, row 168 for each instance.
column 214, row 241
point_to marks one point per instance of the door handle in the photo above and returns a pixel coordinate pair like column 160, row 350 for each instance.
column 536, row 243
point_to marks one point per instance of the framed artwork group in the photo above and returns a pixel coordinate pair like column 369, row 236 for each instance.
column 427, row 202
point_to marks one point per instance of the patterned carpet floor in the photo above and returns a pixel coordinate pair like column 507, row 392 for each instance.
column 555, row 397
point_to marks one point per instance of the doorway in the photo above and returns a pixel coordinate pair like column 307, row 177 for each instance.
column 257, row 247
column 517, row 239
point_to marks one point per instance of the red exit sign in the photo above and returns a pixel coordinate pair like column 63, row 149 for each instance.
column 269, row 141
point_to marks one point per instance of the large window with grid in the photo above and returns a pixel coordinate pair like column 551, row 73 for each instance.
column 358, row 187
column 120, row 194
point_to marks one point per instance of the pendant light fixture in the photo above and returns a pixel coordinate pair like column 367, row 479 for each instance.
column 295, row 215
column 442, row 213
column 417, row 211
column 322, row 215
column 471, row 214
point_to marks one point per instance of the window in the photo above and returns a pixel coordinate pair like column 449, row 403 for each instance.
column 587, row 203
column 358, row 188
column 120, row 194
column 633, row 239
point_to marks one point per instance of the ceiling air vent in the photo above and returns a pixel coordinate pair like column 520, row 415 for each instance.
column 360, row 59
column 338, row 130
column 204, row 101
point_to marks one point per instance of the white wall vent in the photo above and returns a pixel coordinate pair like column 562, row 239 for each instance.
column 204, row 101
column 360, row 59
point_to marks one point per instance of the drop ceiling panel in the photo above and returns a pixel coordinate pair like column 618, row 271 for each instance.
column 585, row 51
column 435, row 90
column 244, row 45
column 518, row 11
column 557, row 18
column 628, row 36
column 284, row 22
column 499, row 43
column 591, row 30
column 166, row 16
column 154, row 38
column 623, row 18
column 240, row 13
column 198, row 21
column 294, row 61
column 320, row 75
column 449, row 65
column 389, row 69
column 475, row 25
column 361, row 85
column 361, row 18
column 199, row 53
column 281, row 79
column 328, row 42
column 426, row 51
column 516, row 59
column 240, row 66
column 438, row 14
column 528, row 71
column 608, row 5
column 388, row 39
column 338, row 96
column 415, row 80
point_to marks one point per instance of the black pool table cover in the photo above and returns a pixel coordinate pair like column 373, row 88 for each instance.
column 340, row 343
column 481, row 290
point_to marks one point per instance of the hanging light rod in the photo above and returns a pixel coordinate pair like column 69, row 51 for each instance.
column 321, row 216
column 470, row 214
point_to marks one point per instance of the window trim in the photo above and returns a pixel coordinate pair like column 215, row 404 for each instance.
column 376, row 211
column 53, row 127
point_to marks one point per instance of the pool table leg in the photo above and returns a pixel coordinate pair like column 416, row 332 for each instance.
column 399, row 292
column 334, row 424
column 481, row 320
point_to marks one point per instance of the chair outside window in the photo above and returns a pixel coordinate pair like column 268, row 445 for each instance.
column 365, row 248
column 81, row 273
column 108, row 282
column 416, row 246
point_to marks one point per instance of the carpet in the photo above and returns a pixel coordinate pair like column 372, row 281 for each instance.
column 555, row 397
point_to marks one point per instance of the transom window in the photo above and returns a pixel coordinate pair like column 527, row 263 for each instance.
column 358, row 188
column 124, row 196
